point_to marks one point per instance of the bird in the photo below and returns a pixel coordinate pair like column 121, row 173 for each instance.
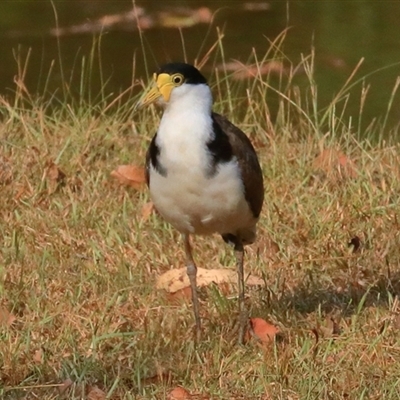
column 202, row 171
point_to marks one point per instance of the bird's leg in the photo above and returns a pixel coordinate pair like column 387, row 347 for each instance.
column 191, row 270
column 243, row 320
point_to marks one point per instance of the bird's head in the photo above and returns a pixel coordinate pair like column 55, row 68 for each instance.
column 172, row 82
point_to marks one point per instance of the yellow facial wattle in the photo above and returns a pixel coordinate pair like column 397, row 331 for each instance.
column 164, row 84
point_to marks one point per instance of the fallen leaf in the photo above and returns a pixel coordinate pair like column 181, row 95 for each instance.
column 262, row 330
column 329, row 328
column 95, row 393
column 65, row 386
column 6, row 318
column 177, row 279
column 180, row 296
column 130, row 175
column 178, row 393
column 54, row 175
column 332, row 161
column 147, row 210
column 38, row 356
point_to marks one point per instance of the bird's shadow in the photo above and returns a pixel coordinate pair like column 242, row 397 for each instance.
column 311, row 296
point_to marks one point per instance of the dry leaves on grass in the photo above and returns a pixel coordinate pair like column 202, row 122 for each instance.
column 55, row 177
column 262, row 330
column 6, row 318
column 180, row 393
column 330, row 327
column 95, row 393
column 130, row 175
column 38, row 356
column 334, row 163
column 176, row 279
column 66, row 385
column 180, row 296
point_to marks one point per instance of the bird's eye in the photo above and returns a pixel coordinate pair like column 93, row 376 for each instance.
column 177, row 79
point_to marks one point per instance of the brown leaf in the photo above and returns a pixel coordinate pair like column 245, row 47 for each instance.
column 330, row 327
column 179, row 393
column 6, row 318
column 38, row 356
column 95, row 393
column 332, row 161
column 180, row 296
column 177, row 279
column 130, row 175
column 65, row 385
column 263, row 330
column 54, row 176
column 54, row 173
column 147, row 209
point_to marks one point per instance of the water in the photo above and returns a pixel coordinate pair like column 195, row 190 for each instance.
column 342, row 32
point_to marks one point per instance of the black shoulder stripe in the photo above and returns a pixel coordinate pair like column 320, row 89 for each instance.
column 152, row 158
column 219, row 147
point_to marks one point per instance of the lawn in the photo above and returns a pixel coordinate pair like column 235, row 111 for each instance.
column 80, row 313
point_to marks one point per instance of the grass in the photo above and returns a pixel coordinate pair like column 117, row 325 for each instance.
column 78, row 262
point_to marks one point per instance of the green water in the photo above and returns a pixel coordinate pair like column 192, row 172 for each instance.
column 342, row 32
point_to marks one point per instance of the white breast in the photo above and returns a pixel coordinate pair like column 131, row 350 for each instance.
column 194, row 204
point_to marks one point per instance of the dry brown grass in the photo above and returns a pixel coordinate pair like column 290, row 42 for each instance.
column 78, row 263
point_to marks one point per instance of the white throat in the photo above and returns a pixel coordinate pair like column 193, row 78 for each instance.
column 185, row 128
column 187, row 102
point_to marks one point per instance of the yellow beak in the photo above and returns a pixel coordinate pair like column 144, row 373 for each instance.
column 162, row 88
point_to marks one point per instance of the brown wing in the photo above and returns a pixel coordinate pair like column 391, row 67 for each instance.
column 248, row 163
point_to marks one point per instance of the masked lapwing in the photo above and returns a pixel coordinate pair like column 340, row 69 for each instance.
column 202, row 171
